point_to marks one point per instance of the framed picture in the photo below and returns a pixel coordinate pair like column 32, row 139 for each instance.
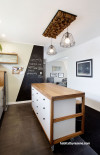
column 84, row 68
column 17, row 70
column 53, row 74
column 60, row 75
column 56, row 68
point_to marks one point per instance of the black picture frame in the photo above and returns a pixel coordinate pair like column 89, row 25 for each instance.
column 84, row 68
column 53, row 74
column 60, row 75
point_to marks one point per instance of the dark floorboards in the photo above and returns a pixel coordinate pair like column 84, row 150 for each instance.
column 21, row 134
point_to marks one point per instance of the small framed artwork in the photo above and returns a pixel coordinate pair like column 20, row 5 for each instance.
column 17, row 70
column 53, row 74
column 56, row 68
column 84, row 68
column 60, row 75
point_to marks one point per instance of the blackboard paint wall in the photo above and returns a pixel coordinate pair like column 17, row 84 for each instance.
column 33, row 74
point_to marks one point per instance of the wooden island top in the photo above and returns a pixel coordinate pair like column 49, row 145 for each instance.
column 56, row 92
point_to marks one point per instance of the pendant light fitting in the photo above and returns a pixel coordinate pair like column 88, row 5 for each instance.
column 67, row 40
column 51, row 49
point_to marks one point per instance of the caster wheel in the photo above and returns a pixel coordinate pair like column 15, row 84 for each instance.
column 72, row 139
column 52, row 148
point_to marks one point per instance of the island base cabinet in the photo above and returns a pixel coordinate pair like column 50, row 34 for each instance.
column 42, row 108
column 55, row 108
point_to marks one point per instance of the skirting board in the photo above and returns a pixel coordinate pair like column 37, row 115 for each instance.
column 20, row 102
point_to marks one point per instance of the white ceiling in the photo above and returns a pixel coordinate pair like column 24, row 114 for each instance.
column 24, row 21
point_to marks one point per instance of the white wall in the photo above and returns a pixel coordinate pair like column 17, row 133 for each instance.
column 91, row 86
column 49, row 70
column 15, row 80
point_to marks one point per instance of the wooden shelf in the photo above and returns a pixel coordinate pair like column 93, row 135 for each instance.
column 8, row 58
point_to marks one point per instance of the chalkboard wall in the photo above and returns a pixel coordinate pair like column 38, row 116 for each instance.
column 33, row 74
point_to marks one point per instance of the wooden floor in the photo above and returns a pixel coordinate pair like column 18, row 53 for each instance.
column 21, row 134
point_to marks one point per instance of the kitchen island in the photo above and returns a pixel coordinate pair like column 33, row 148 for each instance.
column 55, row 108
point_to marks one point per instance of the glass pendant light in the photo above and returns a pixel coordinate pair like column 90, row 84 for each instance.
column 51, row 49
column 67, row 40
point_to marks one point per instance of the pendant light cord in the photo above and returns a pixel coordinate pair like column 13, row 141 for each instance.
column 67, row 31
column 51, row 41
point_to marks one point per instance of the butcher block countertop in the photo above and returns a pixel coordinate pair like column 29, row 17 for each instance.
column 56, row 92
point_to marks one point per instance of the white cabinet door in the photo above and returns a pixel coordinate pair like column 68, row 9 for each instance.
column 64, row 128
column 64, row 107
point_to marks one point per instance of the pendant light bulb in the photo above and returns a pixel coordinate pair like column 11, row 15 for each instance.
column 67, row 40
column 51, row 49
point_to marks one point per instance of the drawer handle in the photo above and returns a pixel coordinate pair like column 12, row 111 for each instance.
column 37, row 113
column 44, row 99
column 37, row 100
column 36, row 93
column 43, row 107
column 37, row 106
column 43, row 118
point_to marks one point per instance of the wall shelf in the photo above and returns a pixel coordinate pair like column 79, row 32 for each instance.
column 8, row 58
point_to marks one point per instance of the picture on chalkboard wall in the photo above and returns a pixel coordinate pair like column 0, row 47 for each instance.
column 84, row 68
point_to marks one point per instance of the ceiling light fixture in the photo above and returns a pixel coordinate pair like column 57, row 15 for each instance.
column 67, row 40
column 60, row 21
column 51, row 49
column 3, row 35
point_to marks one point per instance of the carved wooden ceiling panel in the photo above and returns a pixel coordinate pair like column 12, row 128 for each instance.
column 60, row 21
